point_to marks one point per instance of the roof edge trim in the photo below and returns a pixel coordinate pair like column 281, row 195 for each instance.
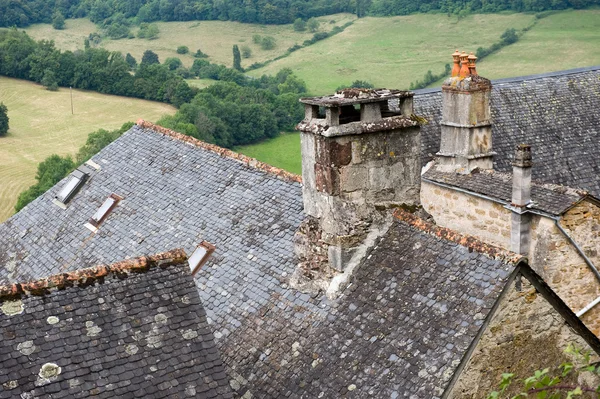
column 470, row 242
column 224, row 152
column 89, row 275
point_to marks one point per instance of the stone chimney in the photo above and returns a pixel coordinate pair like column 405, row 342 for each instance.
column 466, row 127
column 521, row 197
column 360, row 155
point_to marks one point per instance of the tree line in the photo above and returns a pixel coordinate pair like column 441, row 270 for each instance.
column 94, row 69
column 21, row 13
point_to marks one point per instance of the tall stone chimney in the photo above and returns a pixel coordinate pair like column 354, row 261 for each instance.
column 466, row 127
column 521, row 197
column 360, row 155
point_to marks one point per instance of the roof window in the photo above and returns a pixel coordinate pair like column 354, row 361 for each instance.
column 103, row 212
column 200, row 256
column 75, row 181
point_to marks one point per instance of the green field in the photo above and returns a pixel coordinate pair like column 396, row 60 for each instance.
column 282, row 152
column 214, row 38
column 41, row 124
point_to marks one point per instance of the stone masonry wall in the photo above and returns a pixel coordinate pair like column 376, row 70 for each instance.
column 525, row 334
column 486, row 220
column 583, row 224
column 551, row 254
column 346, row 178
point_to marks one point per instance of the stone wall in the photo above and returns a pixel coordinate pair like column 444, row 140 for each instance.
column 551, row 254
column 525, row 334
column 484, row 219
column 343, row 174
column 583, row 224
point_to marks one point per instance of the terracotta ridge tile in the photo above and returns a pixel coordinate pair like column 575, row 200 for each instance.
column 85, row 277
column 224, row 152
column 470, row 242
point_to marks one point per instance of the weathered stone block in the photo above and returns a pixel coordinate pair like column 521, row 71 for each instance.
column 327, row 179
column 353, row 178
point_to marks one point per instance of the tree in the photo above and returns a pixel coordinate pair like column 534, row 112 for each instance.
column 183, row 50
column 148, row 31
column 173, row 63
column 58, row 21
column 313, row 24
column 49, row 80
column 131, row 61
column 299, row 25
column 246, row 52
column 3, row 119
column 150, row 57
column 49, row 172
column 200, row 54
column 237, row 58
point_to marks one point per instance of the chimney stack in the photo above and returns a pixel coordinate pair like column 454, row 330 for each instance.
column 466, row 127
column 360, row 155
column 521, row 197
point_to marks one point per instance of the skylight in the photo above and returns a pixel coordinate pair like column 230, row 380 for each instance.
column 200, row 256
column 102, row 212
column 76, row 179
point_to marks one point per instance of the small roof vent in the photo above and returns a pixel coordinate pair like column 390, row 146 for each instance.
column 75, row 181
column 103, row 212
column 200, row 256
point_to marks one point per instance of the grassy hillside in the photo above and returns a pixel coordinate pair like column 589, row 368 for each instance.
column 282, row 151
column 41, row 124
column 214, row 38
column 392, row 52
column 560, row 41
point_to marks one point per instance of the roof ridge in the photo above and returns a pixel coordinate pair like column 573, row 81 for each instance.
column 85, row 277
column 224, row 152
column 523, row 78
column 468, row 241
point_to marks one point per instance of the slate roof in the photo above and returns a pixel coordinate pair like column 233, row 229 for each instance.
column 558, row 114
column 132, row 329
column 176, row 192
column 399, row 331
column 548, row 198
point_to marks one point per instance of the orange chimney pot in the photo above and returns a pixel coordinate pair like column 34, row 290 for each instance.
column 464, row 65
column 456, row 67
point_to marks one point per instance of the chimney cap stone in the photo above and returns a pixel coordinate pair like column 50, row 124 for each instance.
column 356, row 96
column 523, row 158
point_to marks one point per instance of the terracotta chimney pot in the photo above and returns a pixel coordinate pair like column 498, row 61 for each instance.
column 456, row 67
column 472, row 60
column 464, row 65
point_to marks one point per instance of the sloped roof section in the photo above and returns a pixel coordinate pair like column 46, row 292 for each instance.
column 558, row 114
column 135, row 328
column 399, row 330
column 549, row 198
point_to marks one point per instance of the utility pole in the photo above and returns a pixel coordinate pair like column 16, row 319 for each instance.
column 71, row 91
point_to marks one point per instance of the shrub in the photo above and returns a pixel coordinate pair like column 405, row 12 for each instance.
column 183, row 50
column 299, row 25
column 246, row 52
column 313, row 25
column 267, row 43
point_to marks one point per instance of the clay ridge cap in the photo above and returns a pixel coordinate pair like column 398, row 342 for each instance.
column 224, row 152
column 470, row 242
column 87, row 276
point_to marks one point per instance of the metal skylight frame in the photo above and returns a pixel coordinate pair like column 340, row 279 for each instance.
column 200, row 256
column 75, row 181
column 102, row 213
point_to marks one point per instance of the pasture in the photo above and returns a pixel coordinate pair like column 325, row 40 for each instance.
column 41, row 124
